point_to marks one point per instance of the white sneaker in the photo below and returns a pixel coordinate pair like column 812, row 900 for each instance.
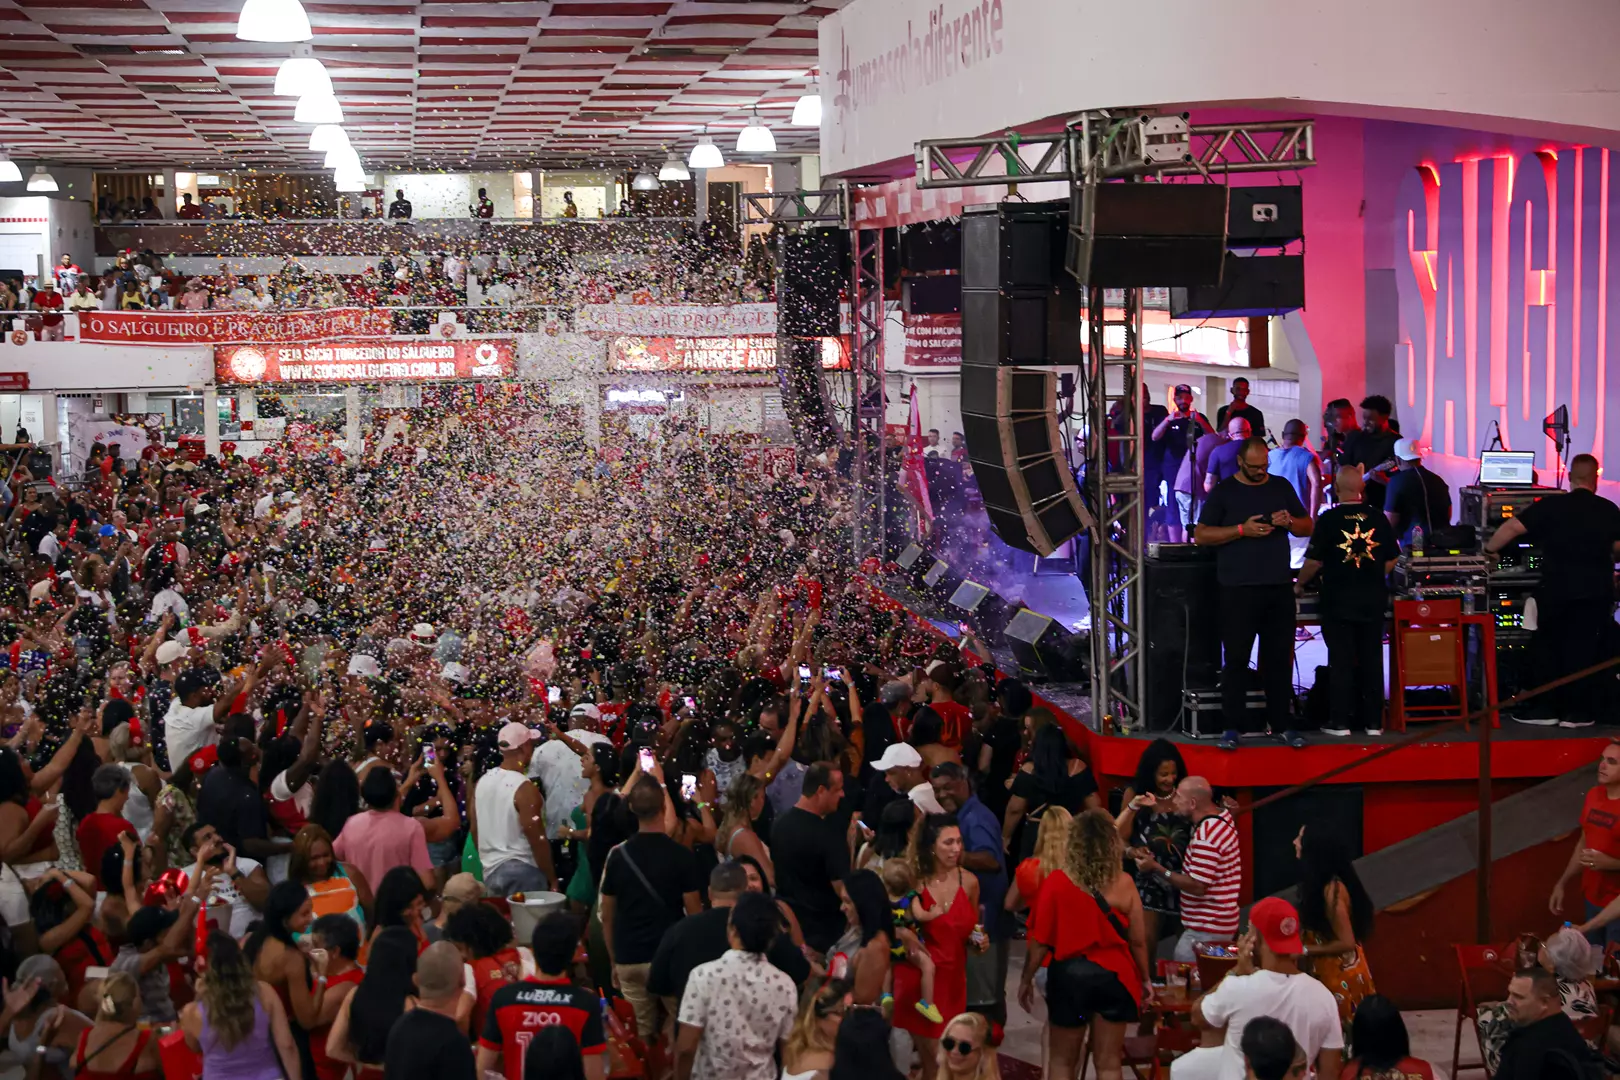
column 1537, row 721
column 1577, row 723
column 1337, row 732
column 1373, row 733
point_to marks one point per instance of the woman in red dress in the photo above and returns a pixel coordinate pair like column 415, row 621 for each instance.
column 936, row 858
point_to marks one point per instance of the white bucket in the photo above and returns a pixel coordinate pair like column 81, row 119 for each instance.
column 535, row 906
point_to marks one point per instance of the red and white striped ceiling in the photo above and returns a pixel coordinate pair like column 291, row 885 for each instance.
column 423, row 83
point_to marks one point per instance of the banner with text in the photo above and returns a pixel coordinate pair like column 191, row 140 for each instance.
column 691, row 320
column 399, row 360
column 933, row 341
column 701, row 355
column 231, row 327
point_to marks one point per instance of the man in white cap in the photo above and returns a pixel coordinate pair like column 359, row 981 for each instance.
column 510, row 826
column 558, row 765
column 1415, row 497
column 899, row 770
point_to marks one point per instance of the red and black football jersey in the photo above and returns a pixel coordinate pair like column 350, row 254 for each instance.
column 520, row 1009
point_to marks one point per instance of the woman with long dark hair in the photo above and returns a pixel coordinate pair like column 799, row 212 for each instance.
column 1335, row 917
column 892, row 838
column 401, row 900
column 600, row 768
column 861, row 1050
column 337, row 797
column 553, row 1054
column 1054, row 775
column 864, row 946
column 360, row 1032
column 1382, row 1046
column 237, row 1023
column 278, row 962
column 1149, row 825
column 61, row 907
column 936, row 864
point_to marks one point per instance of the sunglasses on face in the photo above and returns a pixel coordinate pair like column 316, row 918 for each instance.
column 957, row 1046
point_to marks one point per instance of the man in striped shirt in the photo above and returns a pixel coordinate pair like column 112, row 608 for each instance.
column 1212, row 869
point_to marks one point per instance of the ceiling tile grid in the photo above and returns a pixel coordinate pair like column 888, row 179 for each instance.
column 424, row 84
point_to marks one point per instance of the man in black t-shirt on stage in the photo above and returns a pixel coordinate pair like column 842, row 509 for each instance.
column 1353, row 548
column 1372, row 446
column 1579, row 537
column 1248, row 518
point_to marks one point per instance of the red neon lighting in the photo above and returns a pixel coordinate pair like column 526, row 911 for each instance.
column 1549, row 172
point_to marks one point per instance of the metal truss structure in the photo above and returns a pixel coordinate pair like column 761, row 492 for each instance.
column 867, row 393
column 1095, row 148
column 795, row 207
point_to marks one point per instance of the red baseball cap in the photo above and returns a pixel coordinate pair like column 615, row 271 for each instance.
column 1277, row 922
column 203, row 760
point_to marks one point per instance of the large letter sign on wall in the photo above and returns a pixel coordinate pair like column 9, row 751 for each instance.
column 1502, row 271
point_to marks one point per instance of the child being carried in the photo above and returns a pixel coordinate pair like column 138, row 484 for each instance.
column 909, row 915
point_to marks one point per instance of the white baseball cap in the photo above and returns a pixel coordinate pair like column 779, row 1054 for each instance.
column 515, row 735
column 898, row 756
column 1407, row 450
column 922, row 796
column 422, row 634
column 456, row 673
column 169, row 652
column 585, row 708
column 365, row 666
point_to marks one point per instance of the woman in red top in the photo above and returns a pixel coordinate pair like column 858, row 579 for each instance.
column 61, row 908
column 114, row 1047
column 484, row 938
column 1383, row 1048
column 937, row 866
column 1090, row 921
column 338, row 936
column 1051, row 854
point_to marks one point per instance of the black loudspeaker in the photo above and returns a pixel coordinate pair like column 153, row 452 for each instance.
column 1148, row 235
column 814, row 265
column 1250, row 285
column 1183, row 642
column 941, row 295
column 1019, row 307
column 930, row 247
column 1269, row 216
column 1009, row 417
column 804, row 390
column 909, row 557
column 1042, row 647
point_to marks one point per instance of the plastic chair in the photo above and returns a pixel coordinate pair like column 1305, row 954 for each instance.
column 1485, row 971
column 1594, row 1029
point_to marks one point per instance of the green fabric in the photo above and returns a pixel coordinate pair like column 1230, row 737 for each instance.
column 582, row 886
column 470, row 863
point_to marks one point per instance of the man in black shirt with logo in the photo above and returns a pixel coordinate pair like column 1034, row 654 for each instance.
column 1353, row 549
column 1579, row 537
column 1248, row 518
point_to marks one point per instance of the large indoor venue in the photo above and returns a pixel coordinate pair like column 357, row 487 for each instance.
column 832, row 540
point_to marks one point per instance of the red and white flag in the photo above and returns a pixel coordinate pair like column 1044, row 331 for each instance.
column 913, row 475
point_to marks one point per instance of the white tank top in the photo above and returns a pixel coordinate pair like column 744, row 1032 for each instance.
column 500, row 837
column 137, row 808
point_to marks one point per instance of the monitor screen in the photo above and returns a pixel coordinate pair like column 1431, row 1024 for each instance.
column 969, row 595
column 1507, row 468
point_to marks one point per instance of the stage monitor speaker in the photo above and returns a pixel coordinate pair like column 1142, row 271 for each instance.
column 1252, row 285
column 1019, row 308
column 1009, row 418
column 1183, row 640
column 930, row 247
column 1265, row 216
column 941, row 295
column 1148, row 235
column 813, row 275
column 936, row 573
column 909, row 556
column 1042, row 647
column 969, row 595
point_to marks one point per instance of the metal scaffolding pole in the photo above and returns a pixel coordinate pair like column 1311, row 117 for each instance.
column 866, row 370
column 1114, row 457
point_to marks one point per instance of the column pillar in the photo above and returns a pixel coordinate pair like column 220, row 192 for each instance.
column 700, row 185
column 590, row 411
column 247, row 404
column 169, row 203
column 210, row 421
column 351, row 422
column 53, row 437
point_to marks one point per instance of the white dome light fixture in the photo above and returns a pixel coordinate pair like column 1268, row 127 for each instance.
column 327, row 136
column 41, row 180
column 273, row 20
column 644, row 181
column 756, row 138
column 9, row 173
column 338, row 156
column 807, row 111
column 673, row 169
column 706, row 155
column 301, row 75
column 318, row 109
column 350, row 181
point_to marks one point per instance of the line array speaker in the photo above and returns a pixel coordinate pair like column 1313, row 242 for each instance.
column 814, row 262
column 1009, row 418
column 1148, row 235
column 1019, row 307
